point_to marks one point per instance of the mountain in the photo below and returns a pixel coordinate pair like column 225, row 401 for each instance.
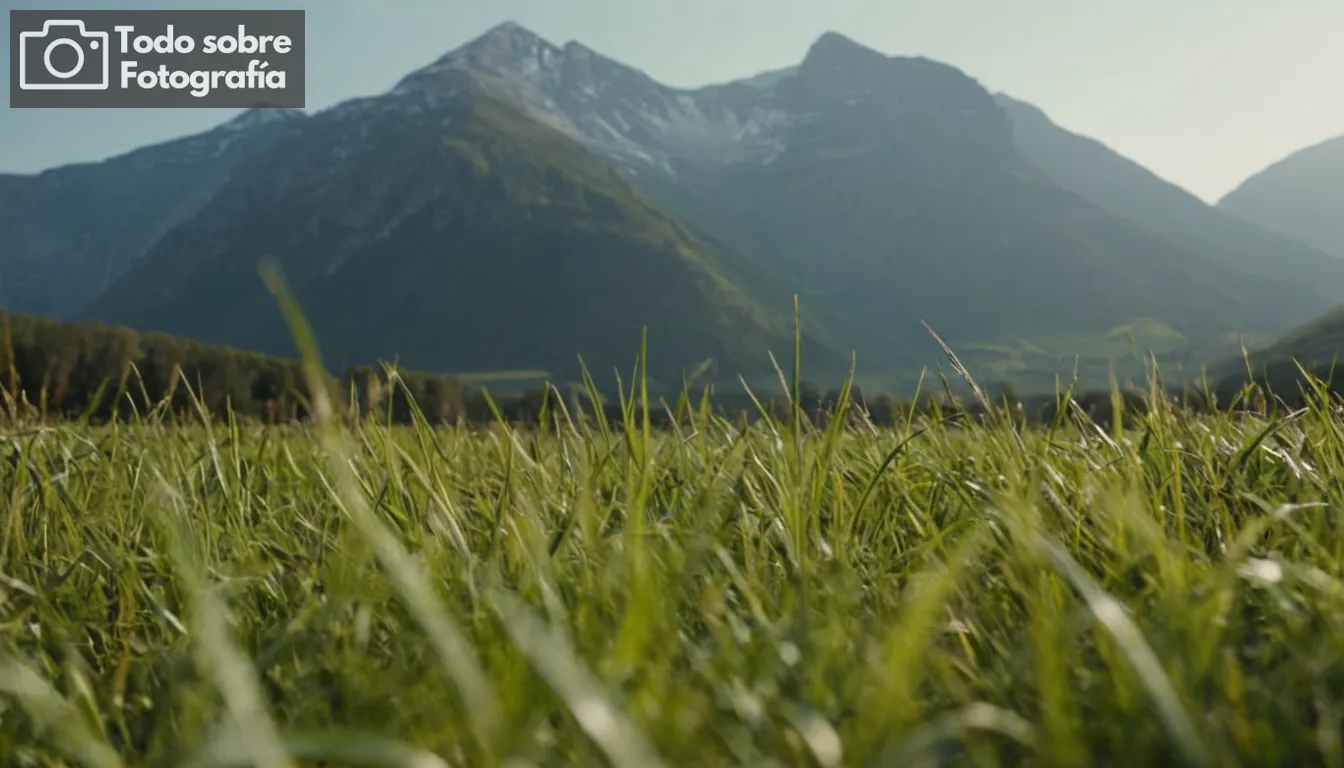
column 68, row 233
column 515, row 202
column 441, row 226
column 1320, row 341
column 1295, row 278
column 887, row 189
column 1315, row 346
column 1300, row 196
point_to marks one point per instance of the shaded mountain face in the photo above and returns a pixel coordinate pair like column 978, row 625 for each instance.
column 1292, row 281
column 66, row 234
column 443, row 228
column 1300, row 196
column 885, row 190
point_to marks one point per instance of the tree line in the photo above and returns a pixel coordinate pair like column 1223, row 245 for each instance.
column 57, row 370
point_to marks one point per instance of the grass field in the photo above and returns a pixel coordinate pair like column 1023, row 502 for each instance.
column 1164, row 592
column 586, row 594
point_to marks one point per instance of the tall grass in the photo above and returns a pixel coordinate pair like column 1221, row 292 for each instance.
column 585, row 592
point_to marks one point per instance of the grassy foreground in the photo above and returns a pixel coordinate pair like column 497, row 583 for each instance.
column 587, row 593
column 942, row 592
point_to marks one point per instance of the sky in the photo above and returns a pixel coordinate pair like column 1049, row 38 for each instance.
column 1202, row 92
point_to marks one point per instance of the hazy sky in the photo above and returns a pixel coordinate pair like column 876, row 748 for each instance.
column 1204, row 92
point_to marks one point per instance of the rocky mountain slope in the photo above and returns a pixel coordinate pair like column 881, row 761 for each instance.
column 1300, row 196
column 67, row 233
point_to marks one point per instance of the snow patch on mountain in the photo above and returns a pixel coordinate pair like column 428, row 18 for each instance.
column 257, row 116
column 640, row 124
column 765, row 80
column 613, row 109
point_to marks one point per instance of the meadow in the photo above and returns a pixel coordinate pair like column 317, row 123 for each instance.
column 1163, row 590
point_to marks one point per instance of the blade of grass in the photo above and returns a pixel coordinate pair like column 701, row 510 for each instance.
column 622, row 742
column 411, row 582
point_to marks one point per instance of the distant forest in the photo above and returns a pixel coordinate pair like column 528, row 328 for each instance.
column 63, row 371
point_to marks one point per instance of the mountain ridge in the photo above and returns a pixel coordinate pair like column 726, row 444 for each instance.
column 1299, row 195
column 884, row 190
column 67, row 232
column 387, row 225
column 1287, row 273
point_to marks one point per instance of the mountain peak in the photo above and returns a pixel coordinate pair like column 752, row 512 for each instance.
column 833, row 48
column 831, row 37
column 509, row 33
column 501, row 44
column 508, row 47
column 260, row 115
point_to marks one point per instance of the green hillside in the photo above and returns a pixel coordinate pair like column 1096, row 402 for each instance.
column 1319, row 341
column 456, row 236
column 1315, row 347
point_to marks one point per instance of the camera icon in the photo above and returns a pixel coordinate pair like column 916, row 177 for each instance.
column 44, row 59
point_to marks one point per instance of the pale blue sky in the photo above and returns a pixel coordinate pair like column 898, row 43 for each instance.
column 1204, row 92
